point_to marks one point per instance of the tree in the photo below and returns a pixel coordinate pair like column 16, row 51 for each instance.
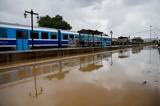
column 137, row 40
column 56, row 22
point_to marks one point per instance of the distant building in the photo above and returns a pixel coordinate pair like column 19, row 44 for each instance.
column 123, row 40
column 114, row 41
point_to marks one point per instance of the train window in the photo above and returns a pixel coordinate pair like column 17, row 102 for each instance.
column 22, row 34
column 77, row 36
column 25, row 35
column 19, row 34
column 71, row 36
column 3, row 33
column 44, row 35
column 65, row 36
column 35, row 35
column 53, row 35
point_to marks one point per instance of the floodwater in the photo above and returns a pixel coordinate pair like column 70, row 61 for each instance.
column 125, row 78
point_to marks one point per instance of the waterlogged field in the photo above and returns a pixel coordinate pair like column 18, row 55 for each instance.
column 125, row 78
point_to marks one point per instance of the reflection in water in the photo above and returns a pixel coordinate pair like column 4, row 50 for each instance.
column 35, row 72
column 92, row 95
column 85, row 81
column 90, row 63
column 136, row 50
column 25, row 73
column 56, row 69
column 150, row 55
column 107, row 57
column 60, row 74
column 124, row 54
column 111, row 60
column 159, row 52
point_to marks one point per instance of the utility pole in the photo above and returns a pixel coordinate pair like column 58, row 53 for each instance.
column 31, row 13
column 154, row 37
column 111, row 36
column 150, row 47
column 101, row 40
column 150, row 34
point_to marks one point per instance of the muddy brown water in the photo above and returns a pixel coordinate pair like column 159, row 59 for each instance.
column 126, row 78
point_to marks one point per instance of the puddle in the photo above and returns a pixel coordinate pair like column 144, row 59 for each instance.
column 108, row 79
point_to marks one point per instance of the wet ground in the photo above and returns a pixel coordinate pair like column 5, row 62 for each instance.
column 126, row 78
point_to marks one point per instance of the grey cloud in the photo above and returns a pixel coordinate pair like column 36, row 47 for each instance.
column 136, row 2
column 84, row 3
column 121, row 16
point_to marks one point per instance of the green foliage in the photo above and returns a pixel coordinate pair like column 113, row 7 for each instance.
column 155, row 41
column 137, row 40
column 56, row 22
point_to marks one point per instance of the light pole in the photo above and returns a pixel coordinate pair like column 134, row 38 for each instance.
column 150, row 34
column 154, row 37
column 111, row 36
column 31, row 13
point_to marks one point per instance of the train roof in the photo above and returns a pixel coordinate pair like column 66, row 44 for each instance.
column 103, row 35
column 70, row 32
column 20, row 26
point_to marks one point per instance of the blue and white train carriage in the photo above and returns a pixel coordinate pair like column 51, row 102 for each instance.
column 18, row 37
column 98, row 40
column 69, row 38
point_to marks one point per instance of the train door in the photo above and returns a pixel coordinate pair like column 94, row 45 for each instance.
column 22, row 40
column 71, row 40
column 59, row 39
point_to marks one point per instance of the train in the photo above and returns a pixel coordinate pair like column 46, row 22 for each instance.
column 19, row 37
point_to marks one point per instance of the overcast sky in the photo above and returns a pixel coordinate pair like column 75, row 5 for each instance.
column 121, row 16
